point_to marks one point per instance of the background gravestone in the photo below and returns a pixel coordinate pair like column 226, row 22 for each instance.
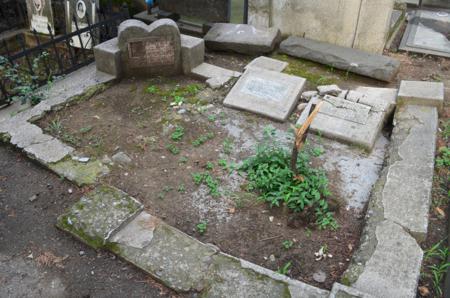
column 82, row 11
column 150, row 49
column 215, row 11
column 40, row 14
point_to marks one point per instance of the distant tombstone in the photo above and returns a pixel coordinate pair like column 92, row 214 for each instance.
column 40, row 14
column 79, row 14
column 214, row 11
column 150, row 49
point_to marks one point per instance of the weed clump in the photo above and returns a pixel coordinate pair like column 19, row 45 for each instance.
column 269, row 173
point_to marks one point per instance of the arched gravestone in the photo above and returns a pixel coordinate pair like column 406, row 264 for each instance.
column 150, row 49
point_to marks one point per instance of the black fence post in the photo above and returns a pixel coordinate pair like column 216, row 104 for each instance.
column 55, row 49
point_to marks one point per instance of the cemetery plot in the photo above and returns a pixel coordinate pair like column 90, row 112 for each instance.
column 170, row 143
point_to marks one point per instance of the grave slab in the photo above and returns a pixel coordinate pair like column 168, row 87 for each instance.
column 240, row 38
column 192, row 52
column 267, row 64
column 98, row 214
column 421, row 93
column 215, row 76
column 267, row 93
column 380, row 99
column 371, row 65
column 341, row 291
column 51, row 150
column 107, row 57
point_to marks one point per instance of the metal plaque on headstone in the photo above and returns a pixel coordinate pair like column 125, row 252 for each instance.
column 81, row 13
column 216, row 11
column 151, row 51
column 40, row 14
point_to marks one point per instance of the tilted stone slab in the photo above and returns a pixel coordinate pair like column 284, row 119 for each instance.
column 80, row 173
column 267, row 64
column 406, row 195
column 341, row 291
column 176, row 259
column 241, row 38
column 371, row 65
column 192, row 52
column 421, row 93
column 380, row 99
column 98, row 214
column 267, row 93
column 215, row 76
column 393, row 269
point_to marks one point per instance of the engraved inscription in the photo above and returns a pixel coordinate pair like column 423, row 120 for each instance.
column 265, row 89
column 151, row 51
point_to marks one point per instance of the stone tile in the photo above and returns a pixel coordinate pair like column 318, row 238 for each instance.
column 268, row 64
column 407, row 192
column 217, row 82
column 192, row 52
column 265, row 92
column 341, row 291
column 421, row 93
column 98, row 214
column 393, row 269
column 176, row 259
column 207, row 71
column 241, row 38
column 333, row 90
column 49, row 151
column 27, row 134
column 107, row 57
column 380, row 99
column 80, row 173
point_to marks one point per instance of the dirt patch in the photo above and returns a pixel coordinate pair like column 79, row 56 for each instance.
column 141, row 118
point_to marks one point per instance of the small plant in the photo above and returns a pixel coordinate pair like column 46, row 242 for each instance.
column 227, row 146
column 201, row 227
column 203, row 139
column 439, row 255
column 212, row 118
column 209, row 166
column 55, row 127
column 444, row 159
column 209, row 181
column 182, row 188
column 152, row 89
column 173, row 149
column 183, row 160
column 287, row 244
column 317, row 151
column 85, row 129
column 177, row 100
column 285, row 268
column 178, row 133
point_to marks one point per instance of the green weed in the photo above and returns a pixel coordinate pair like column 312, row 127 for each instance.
column 285, row 268
column 227, row 146
column 287, row 244
column 203, row 139
column 209, row 181
column 173, row 149
column 178, row 133
column 438, row 253
column 444, row 157
column 201, row 227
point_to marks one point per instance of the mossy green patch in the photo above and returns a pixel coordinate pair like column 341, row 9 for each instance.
column 80, row 173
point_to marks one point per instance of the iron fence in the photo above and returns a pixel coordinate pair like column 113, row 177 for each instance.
column 26, row 67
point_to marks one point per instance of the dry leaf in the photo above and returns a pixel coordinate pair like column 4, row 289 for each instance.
column 49, row 259
column 440, row 211
column 424, row 292
column 232, row 210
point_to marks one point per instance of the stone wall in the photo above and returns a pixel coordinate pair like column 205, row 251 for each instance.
column 361, row 24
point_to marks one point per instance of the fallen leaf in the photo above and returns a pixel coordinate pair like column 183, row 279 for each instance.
column 440, row 211
column 48, row 259
column 232, row 210
column 424, row 292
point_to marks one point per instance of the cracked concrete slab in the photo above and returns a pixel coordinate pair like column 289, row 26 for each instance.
column 49, row 151
column 394, row 267
column 421, row 93
column 98, row 214
column 78, row 172
column 28, row 134
column 342, row 291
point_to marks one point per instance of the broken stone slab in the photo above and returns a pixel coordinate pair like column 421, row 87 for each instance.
column 392, row 267
column 267, row 64
column 307, row 95
column 176, row 259
column 98, row 214
column 267, row 93
column 352, row 60
column 406, row 195
column 153, row 49
column 333, row 90
column 80, row 173
column 26, row 134
column 217, row 82
column 355, row 96
column 346, row 121
column 107, row 57
column 49, row 151
column 215, row 76
column 241, row 38
column 421, row 93
column 342, row 291
column 232, row 277
column 192, row 52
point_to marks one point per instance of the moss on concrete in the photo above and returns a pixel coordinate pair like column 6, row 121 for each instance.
column 80, row 173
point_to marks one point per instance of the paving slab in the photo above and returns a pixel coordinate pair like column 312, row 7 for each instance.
column 421, row 93
column 98, row 214
column 406, row 195
column 27, row 134
column 241, row 38
column 207, row 71
column 49, row 151
column 380, row 99
column 267, row 93
column 80, row 173
column 393, row 269
column 268, row 64
column 371, row 65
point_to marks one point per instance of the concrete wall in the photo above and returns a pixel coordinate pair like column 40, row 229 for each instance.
column 362, row 24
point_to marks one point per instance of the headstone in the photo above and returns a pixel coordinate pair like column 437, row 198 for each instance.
column 240, row 38
column 265, row 92
column 268, row 64
column 79, row 14
column 40, row 14
column 213, row 11
column 150, row 49
column 351, row 60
